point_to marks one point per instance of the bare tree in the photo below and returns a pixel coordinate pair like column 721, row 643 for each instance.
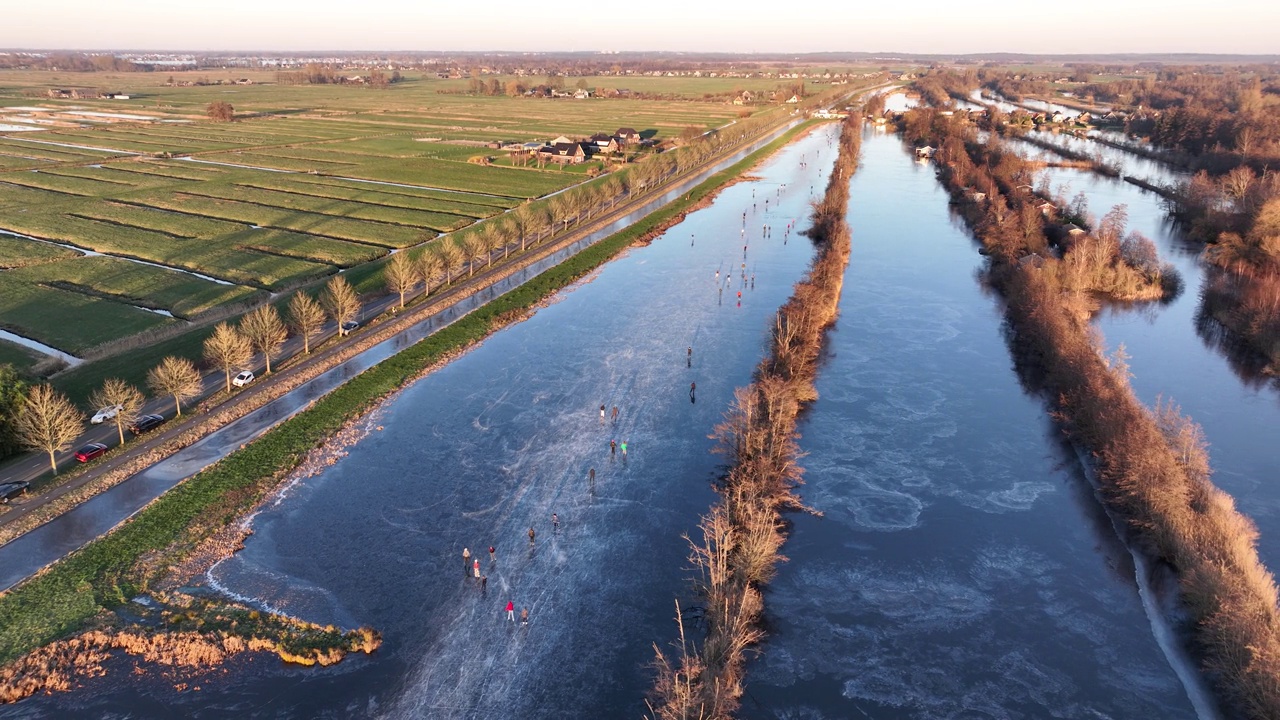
column 472, row 249
column 266, row 331
column 400, row 275
column 430, row 264
column 490, row 239
column 49, row 422
column 220, row 111
column 306, row 317
column 453, row 257
column 176, row 377
column 562, row 206
column 119, row 394
column 503, row 232
column 521, row 223
column 341, row 302
column 227, row 349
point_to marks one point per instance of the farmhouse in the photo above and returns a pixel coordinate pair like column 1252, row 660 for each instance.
column 627, row 136
column 565, row 153
column 606, row 144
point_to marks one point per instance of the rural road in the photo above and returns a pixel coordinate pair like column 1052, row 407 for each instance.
column 29, row 553
column 33, row 465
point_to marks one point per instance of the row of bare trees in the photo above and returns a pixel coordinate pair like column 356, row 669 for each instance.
column 1152, row 466
column 49, row 422
column 743, row 533
column 529, row 225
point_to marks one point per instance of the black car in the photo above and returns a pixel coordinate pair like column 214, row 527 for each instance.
column 145, row 423
column 10, row 489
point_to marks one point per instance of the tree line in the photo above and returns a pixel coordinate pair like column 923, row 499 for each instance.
column 53, row 424
column 45, row 420
column 1151, row 465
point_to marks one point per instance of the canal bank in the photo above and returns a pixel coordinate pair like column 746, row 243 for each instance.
column 962, row 564
column 513, row 424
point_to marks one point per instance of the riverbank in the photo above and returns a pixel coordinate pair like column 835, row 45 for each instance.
column 1152, row 467
column 105, row 574
column 743, row 533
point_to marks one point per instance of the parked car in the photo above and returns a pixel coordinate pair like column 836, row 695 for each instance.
column 12, row 488
column 91, row 451
column 350, row 325
column 106, row 413
column 145, row 423
column 242, row 379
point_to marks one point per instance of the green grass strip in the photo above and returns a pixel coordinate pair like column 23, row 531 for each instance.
column 101, row 575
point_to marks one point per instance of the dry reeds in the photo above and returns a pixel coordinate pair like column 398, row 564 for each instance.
column 742, row 535
column 1152, row 467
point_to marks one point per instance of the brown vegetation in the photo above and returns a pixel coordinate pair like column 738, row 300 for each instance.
column 265, row 331
column 743, row 533
column 341, row 302
column 176, row 377
column 220, row 111
column 48, row 421
column 116, row 392
column 306, row 317
column 228, row 350
column 1152, row 467
column 190, row 636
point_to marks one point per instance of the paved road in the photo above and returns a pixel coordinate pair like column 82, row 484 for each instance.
column 33, row 465
column 27, row 554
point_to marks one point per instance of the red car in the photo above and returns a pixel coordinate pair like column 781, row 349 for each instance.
column 90, row 451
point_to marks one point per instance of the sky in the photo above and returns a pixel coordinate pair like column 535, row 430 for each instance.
column 922, row 26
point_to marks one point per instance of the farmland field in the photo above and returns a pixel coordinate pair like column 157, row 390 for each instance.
column 67, row 320
column 309, row 180
column 16, row 253
column 17, row 356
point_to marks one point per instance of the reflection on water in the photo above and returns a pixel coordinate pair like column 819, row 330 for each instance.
column 961, row 567
column 1176, row 353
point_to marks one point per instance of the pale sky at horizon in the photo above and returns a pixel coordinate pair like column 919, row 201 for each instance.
column 925, row 26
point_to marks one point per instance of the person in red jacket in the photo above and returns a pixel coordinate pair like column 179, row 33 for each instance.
column 511, row 611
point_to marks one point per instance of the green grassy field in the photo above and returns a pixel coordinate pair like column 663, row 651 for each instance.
column 332, row 207
column 141, row 285
column 17, row 356
column 16, row 253
column 67, row 320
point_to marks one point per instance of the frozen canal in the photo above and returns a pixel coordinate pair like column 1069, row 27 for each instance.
column 494, row 443
column 963, row 568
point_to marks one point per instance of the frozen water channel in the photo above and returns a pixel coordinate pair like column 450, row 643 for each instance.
column 492, row 444
column 962, row 568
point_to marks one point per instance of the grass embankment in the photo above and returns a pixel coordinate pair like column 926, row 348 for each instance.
column 107, row 572
column 743, row 532
column 1152, row 467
